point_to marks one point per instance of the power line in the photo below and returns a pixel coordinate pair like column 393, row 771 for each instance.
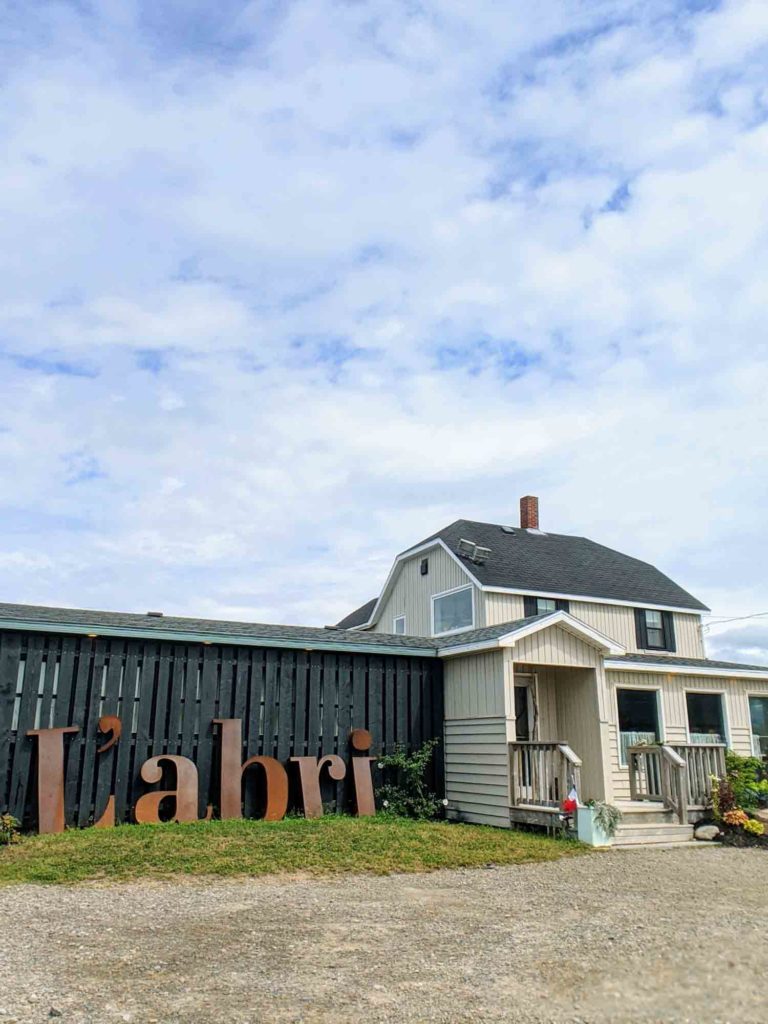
column 735, row 618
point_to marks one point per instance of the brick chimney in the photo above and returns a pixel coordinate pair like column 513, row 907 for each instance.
column 529, row 513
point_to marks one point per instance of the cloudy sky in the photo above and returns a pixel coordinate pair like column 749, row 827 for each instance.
column 286, row 286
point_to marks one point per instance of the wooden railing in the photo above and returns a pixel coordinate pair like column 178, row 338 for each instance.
column 542, row 774
column 702, row 763
column 658, row 773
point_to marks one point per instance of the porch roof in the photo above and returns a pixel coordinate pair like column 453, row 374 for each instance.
column 687, row 666
column 504, row 634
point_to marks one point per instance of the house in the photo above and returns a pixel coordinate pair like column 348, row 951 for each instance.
column 566, row 662
column 543, row 662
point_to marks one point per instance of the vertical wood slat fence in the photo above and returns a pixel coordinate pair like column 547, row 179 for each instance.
column 291, row 703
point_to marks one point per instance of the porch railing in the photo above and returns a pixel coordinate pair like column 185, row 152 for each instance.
column 702, row 763
column 542, row 774
column 658, row 773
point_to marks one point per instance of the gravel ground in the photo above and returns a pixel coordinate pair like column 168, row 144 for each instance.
column 635, row 936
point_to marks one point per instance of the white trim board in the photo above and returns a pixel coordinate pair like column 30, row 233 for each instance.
column 567, row 621
column 593, row 600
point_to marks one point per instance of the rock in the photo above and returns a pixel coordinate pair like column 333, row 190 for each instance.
column 761, row 814
column 706, row 833
column 53, row 1012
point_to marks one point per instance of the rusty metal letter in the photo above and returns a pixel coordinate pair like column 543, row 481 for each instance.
column 185, row 794
column 231, row 792
column 309, row 777
column 110, row 724
column 361, row 739
column 50, row 777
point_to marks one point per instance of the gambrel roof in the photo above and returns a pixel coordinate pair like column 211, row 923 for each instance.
column 532, row 561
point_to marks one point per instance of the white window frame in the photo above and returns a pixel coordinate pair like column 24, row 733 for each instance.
column 659, row 713
column 395, row 621
column 753, row 693
column 447, row 593
column 723, row 706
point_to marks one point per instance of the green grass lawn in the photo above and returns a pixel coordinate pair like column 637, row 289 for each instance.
column 323, row 846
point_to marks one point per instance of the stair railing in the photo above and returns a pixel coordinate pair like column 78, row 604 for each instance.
column 657, row 773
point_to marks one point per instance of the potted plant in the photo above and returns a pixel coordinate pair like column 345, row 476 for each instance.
column 596, row 822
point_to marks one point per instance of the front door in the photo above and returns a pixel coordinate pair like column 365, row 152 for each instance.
column 522, row 715
column 523, row 733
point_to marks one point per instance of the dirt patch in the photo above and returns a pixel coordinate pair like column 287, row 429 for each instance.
column 628, row 936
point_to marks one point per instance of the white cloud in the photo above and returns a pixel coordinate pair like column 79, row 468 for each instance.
column 304, row 289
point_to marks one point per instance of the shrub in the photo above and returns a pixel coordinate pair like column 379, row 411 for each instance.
column 409, row 795
column 747, row 776
column 723, row 798
column 9, row 830
column 754, row 828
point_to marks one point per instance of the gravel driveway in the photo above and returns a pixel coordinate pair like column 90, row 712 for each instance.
column 640, row 936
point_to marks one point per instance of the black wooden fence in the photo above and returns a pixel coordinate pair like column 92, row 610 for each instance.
column 291, row 703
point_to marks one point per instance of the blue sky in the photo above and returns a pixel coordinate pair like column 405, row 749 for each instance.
column 287, row 286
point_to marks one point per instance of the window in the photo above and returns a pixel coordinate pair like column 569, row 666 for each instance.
column 424, row 567
column 758, row 716
column 452, row 611
column 398, row 625
column 705, row 717
column 638, row 719
column 655, row 630
column 543, row 605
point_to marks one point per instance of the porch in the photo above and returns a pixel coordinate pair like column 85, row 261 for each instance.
column 670, row 785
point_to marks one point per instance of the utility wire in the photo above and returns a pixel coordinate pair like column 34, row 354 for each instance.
column 736, row 618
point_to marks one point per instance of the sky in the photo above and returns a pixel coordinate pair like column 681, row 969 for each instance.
column 287, row 286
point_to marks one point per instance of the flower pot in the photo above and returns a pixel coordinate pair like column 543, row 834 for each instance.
column 587, row 829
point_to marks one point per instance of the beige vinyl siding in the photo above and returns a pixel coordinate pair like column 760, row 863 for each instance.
column 411, row 594
column 555, row 646
column 674, row 716
column 618, row 623
column 615, row 621
column 474, row 686
column 477, row 770
column 502, row 608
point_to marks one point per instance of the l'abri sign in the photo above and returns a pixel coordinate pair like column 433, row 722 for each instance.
column 180, row 802
column 98, row 712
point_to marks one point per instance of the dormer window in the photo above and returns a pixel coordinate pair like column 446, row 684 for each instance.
column 655, row 630
column 453, row 611
column 543, row 605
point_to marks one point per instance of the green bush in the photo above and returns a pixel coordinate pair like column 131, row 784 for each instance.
column 9, row 830
column 408, row 796
column 748, row 779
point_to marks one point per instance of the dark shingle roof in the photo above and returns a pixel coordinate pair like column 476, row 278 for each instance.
column 672, row 660
column 477, row 636
column 358, row 616
column 79, row 620
column 555, row 563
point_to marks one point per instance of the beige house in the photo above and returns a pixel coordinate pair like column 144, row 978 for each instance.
column 567, row 663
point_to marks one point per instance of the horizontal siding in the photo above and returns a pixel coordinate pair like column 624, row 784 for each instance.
column 412, row 593
column 474, row 686
column 477, row 770
column 674, row 714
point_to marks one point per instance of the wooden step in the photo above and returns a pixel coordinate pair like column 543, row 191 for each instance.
column 652, row 833
column 646, row 813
